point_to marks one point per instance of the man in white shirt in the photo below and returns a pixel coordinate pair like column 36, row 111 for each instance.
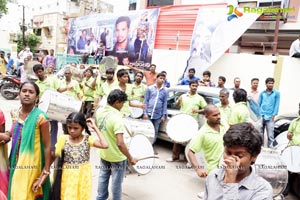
column 23, row 54
column 295, row 48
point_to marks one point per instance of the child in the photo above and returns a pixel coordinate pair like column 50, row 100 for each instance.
column 74, row 151
column 4, row 138
column 237, row 179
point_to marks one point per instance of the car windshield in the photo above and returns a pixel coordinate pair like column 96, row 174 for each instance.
column 174, row 95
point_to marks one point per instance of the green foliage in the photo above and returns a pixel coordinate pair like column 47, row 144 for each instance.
column 31, row 40
column 3, row 9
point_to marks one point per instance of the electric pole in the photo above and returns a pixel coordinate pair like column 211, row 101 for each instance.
column 23, row 26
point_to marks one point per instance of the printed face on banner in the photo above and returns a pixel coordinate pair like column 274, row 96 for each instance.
column 216, row 29
column 128, row 38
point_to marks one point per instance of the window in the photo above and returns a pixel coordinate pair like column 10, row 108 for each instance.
column 38, row 31
column 132, row 6
column 160, row 2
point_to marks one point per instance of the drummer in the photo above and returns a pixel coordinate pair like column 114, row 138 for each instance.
column 192, row 104
column 69, row 87
column 113, row 160
column 88, row 86
column 294, row 138
column 239, row 112
column 209, row 139
column 294, row 131
column 104, row 89
column 47, row 83
column 138, row 88
column 225, row 106
column 123, row 79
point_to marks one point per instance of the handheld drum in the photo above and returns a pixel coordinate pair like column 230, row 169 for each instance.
column 269, row 166
column 181, row 128
column 141, row 148
column 290, row 157
column 140, row 126
column 100, row 106
column 58, row 106
column 134, row 111
column 281, row 141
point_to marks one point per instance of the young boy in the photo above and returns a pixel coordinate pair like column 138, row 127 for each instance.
column 236, row 179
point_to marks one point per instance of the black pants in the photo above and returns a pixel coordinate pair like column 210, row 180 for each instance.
column 87, row 108
column 84, row 58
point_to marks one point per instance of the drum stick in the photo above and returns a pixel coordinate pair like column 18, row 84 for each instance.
column 129, row 132
column 147, row 157
column 292, row 160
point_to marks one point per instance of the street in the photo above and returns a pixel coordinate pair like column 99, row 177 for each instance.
column 165, row 181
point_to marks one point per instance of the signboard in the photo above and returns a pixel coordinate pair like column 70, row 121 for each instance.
column 129, row 38
column 216, row 29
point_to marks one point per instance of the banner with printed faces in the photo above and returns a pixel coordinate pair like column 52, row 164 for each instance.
column 216, row 29
column 129, row 38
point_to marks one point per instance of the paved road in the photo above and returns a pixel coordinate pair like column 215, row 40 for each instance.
column 166, row 181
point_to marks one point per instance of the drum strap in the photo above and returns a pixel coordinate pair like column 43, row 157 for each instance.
column 104, row 119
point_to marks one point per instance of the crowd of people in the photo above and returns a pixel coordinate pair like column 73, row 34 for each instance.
column 227, row 132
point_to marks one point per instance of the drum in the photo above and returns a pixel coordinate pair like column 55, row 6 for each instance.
column 58, row 106
column 100, row 106
column 270, row 166
column 140, row 147
column 290, row 157
column 102, row 103
column 181, row 128
column 139, row 126
column 126, row 138
column 199, row 156
column 134, row 111
column 281, row 140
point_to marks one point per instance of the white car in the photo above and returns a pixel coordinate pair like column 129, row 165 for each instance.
column 210, row 94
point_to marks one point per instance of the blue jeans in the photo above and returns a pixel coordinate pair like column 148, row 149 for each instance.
column 156, row 123
column 269, row 126
column 117, row 171
column 53, row 133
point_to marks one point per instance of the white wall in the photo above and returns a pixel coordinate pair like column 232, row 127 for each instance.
column 248, row 66
column 172, row 61
column 244, row 66
column 289, row 85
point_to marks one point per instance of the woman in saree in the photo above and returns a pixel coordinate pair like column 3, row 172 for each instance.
column 4, row 138
column 30, row 153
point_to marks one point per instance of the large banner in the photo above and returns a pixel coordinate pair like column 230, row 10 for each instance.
column 129, row 38
column 216, row 29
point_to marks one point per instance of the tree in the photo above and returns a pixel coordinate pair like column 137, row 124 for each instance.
column 3, row 9
column 31, row 40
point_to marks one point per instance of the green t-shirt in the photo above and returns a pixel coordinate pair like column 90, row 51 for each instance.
column 225, row 112
column 294, row 128
column 110, row 122
column 211, row 143
column 190, row 102
column 76, row 89
column 125, row 109
column 138, row 92
column 47, row 84
column 99, row 83
column 239, row 114
column 88, row 93
column 106, row 88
